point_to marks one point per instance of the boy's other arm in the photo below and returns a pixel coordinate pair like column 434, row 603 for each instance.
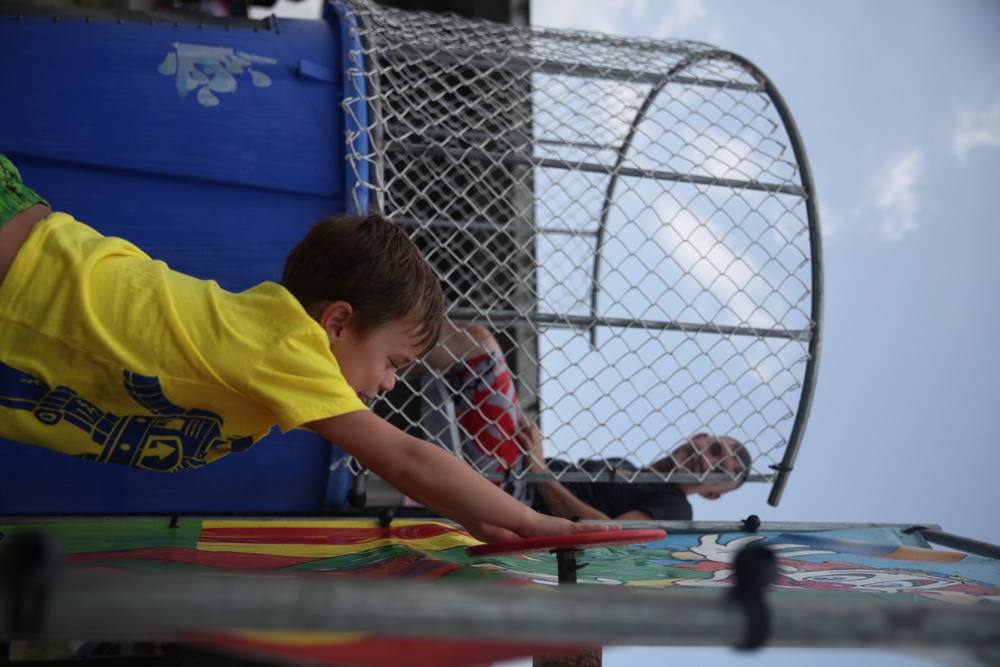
column 634, row 515
column 558, row 499
column 439, row 480
column 562, row 503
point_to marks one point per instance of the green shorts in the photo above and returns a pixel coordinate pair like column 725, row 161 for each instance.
column 15, row 196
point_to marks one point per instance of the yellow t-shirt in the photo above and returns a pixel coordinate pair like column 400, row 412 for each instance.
column 109, row 355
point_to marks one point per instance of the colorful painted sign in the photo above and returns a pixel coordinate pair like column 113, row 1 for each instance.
column 879, row 563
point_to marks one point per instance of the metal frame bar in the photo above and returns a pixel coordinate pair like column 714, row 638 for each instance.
column 125, row 606
column 510, row 159
column 515, row 63
column 784, row 469
column 965, row 544
column 585, row 321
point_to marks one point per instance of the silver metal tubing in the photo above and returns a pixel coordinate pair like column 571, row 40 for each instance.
column 125, row 606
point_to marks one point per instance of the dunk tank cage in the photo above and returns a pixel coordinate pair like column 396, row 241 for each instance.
column 634, row 218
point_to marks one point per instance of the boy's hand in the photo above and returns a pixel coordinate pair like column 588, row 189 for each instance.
column 485, row 532
column 544, row 526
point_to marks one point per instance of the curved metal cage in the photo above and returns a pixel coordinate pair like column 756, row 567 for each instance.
column 635, row 218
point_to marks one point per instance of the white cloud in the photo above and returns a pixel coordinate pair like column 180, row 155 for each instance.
column 895, row 194
column 694, row 246
column 680, row 15
column 606, row 16
column 977, row 128
column 659, row 20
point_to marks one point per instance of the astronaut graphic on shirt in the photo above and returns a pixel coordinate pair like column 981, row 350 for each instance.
column 168, row 439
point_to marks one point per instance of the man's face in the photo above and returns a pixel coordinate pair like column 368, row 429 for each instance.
column 702, row 455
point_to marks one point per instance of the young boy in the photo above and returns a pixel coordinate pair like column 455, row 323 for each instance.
column 108, row 355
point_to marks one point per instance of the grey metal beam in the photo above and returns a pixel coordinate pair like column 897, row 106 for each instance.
column 499, row 317
column 127, row 606
column 965, row 544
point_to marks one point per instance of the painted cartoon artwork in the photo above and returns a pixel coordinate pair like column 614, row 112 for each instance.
column 868, row 561
column 832, row 562
column 882, row 564
column 212, row 70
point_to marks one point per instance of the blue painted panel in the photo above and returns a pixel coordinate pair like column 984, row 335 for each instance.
column 278, row 474
column 207, row 148
column 235, row 235
column 195, row 103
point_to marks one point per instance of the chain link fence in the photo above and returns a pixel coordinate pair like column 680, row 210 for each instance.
column 634, row 219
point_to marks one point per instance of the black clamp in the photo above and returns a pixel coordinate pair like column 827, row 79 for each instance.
column 755, row 569
column 751, row 524
column 385, row 517
column 28, row 564
column 567, row 565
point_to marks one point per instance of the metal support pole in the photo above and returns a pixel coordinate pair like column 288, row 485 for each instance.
column 116, row 606
column 965, row 544
column 589, row 657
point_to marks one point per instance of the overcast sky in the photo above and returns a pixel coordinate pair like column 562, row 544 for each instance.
column 898, row 104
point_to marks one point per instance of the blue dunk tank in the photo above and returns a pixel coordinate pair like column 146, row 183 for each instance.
column 212, row 145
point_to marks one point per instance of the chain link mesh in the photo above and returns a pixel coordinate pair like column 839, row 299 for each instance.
column 631, row 217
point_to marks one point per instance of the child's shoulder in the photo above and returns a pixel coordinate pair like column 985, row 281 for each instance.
column 269, row 306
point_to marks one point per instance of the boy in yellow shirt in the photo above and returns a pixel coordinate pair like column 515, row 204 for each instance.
column 108, row 355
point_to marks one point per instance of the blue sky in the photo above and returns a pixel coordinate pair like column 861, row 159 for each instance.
column 898, row 104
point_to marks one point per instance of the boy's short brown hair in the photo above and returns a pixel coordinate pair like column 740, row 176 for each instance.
column 371, row 263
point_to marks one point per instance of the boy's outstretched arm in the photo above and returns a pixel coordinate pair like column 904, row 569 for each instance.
column 439, row 480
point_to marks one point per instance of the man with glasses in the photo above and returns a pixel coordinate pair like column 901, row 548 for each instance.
column 701, row 455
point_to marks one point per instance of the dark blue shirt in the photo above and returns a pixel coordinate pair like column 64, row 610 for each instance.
column 662, row 501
